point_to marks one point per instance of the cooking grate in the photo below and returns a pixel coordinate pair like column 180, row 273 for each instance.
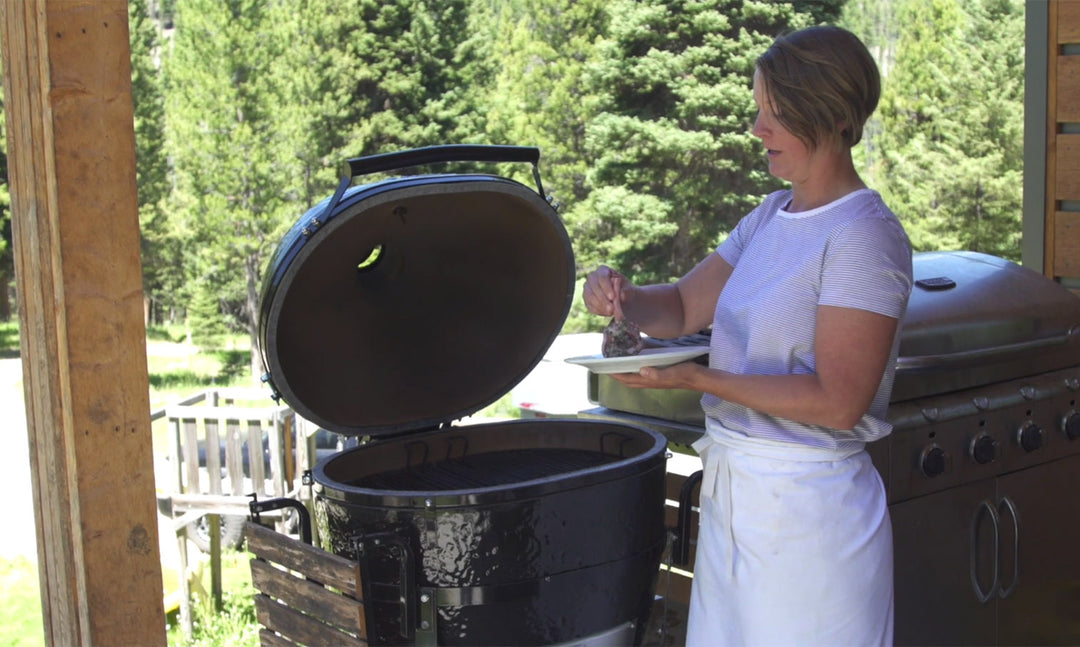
column 490, row 469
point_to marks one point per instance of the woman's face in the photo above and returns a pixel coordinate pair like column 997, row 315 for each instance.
column 789, row 158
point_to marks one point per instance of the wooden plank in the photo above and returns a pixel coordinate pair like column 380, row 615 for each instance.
column 186, row 620
column 308, row 597
column 237, row 413
column 248, row 394
column 71, row 171
column 1068, row 24
column 667, row 624
column 234, row 456
column 176, row 455
column 673, row 486
column 212, row 503
column 274, row 443
column 1067, row 243
column 670, row 521
column 268, row 638
column 1068, row 89
column 674, row 585
column 299, row 627
column 190, row 448
column 317, row 564
column 1067, row 168
column 213, row 455
column 288, row 432
column 255, row 457
column 213, row 533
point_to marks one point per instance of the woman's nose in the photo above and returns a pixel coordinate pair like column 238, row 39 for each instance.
column 759, row 129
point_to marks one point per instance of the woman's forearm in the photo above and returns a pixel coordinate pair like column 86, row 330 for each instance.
column 802, row 398
column 656, row 309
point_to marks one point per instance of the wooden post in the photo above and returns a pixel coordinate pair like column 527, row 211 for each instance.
column 67, row 83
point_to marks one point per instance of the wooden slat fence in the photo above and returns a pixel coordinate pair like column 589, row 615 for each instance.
column 245, row 450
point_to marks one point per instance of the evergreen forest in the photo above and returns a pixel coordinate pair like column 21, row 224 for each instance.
column 247, row 110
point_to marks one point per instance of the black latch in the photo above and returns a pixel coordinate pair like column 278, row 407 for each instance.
column 936, row 283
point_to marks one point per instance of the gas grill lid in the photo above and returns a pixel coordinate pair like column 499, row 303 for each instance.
column 975, row 319
column 409, row 303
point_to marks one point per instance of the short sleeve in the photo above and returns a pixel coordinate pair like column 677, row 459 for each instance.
column 867, row 265
column 732, row 248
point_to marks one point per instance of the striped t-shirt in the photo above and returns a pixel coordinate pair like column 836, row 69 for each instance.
column 852, row 253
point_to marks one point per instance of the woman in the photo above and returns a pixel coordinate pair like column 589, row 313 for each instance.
column 804, row 299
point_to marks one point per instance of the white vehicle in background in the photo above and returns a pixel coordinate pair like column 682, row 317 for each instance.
column 555, row 388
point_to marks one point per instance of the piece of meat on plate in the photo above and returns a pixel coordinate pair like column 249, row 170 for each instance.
column 622, row 337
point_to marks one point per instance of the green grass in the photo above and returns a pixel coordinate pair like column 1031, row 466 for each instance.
column 9, row 339
column 234, row 624
column 20, row 606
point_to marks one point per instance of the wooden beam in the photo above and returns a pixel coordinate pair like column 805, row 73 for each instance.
column 67, row 84
column 1050, row 206
column 1068, row 26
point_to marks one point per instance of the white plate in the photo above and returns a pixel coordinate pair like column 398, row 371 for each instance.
column 633, row 363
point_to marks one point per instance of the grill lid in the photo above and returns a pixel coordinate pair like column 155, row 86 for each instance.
column 975, row 319
column 412, row 302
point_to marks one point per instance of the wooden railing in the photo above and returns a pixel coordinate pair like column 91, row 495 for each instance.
column 220, row 454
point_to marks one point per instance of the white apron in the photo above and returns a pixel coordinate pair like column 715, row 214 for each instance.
column 794, row 548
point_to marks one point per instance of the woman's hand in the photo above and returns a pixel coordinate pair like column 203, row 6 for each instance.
column 604, row 291
column 678, row 376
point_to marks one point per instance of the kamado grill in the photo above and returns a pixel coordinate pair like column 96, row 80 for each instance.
column 982, row 465
column 393, row 309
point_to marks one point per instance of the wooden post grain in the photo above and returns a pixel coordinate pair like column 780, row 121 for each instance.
column 71, row 155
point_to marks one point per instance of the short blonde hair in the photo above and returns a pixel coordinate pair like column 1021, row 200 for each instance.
column 822, row 84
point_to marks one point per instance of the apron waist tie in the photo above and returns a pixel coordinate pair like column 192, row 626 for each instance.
column 718, row 440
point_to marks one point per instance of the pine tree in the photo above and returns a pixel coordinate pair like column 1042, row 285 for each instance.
column 539, row 97
column 673, row 165
column 952, row 113
column 364, row 76
column 160, row 261
column 229, row 195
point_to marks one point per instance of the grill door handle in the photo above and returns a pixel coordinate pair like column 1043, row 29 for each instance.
column 972, row 357
column 1007, row 503
column 984, row 505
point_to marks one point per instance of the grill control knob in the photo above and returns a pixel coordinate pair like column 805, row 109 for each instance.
column 983, row 449
column 1071, row 425
column 933, row 461
column 1030, row 437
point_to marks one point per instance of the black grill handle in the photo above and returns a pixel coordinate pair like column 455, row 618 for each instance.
column 680, row 549
column 256, row 507
column 447, row 153
column 429, row 155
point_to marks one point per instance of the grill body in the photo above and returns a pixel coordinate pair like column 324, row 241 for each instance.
column 524, row 532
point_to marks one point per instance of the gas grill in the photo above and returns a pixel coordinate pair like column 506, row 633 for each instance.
column 983, row 460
